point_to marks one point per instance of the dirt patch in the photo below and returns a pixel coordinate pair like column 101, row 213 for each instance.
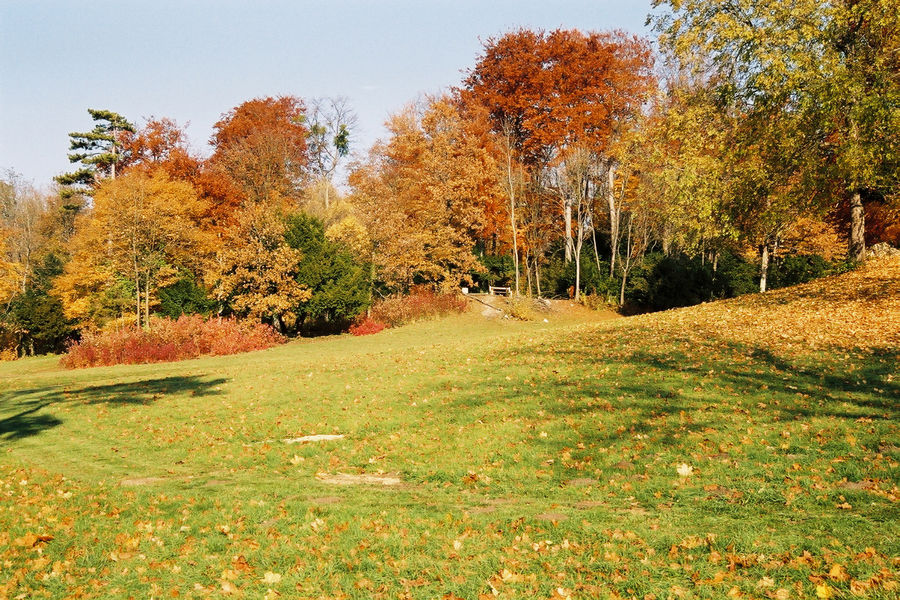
column 481, row 510
column 325, row 500
column 137, row 481
column 551, row 516
column 323, row 437
column 856, row 485
column 582, row 482
column 362, row 479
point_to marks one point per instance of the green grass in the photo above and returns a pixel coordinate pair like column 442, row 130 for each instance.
column 536, row 459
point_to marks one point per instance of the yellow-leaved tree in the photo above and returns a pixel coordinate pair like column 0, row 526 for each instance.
column 141, row 233
column 255, row 271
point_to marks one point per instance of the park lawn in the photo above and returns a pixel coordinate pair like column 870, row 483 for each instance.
column 744, row 449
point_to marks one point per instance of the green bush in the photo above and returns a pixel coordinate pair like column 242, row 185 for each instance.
column 793, row 269
column 339, row 284
column 558, row 277
column 499, row 269
column 38, row 324
column 185, row 297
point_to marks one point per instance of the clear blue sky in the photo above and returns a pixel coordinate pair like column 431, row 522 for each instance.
column 194, row 60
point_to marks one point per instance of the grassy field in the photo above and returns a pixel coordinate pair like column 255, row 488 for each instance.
column 743, row 449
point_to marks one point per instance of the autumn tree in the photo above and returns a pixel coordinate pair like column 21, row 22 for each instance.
column 422, row 194
column 548, row 94
column 160, row 145
column 830, row 66
column 21, row 211
column 141, row 231
column 255, row 272
column 260, row 153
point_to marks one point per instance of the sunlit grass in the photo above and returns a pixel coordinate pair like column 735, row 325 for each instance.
column 535, row 460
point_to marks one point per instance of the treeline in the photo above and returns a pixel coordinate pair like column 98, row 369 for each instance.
column 563, row 164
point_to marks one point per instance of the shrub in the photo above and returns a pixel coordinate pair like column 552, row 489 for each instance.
column 421, row 303
column 185, row 297
column 558, row 277
column 794, row 269
column 520, row 307
column 169, row 340
column 367, row 327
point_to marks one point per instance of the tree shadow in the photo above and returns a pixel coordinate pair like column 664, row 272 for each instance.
column 672, row 397
column 26, row 422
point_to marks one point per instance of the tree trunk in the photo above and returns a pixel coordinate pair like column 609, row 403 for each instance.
column 613, row 216
column 857, row 248
column 626, row 266
column 137, row 296
column 567, row 214
column 512, row 219
column 528, row 272
column 596, row 250
column 147, row 302
column 577, row 275
column 764, row 267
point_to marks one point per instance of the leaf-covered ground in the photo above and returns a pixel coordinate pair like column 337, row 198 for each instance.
column 743, row 449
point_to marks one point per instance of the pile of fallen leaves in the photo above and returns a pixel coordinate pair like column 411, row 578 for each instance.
column 855, row 310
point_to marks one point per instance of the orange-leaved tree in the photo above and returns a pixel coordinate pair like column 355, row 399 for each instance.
column 551, row 97
column 422, row 193
column 160, row 145
column 260, row 152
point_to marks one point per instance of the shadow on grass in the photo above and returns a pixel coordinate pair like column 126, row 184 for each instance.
column 26, row 422
column 669, row 395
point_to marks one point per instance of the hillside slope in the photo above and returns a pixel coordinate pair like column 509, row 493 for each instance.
column 859, row 309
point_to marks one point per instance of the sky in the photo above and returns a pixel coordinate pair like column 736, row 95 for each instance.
column 193, row 60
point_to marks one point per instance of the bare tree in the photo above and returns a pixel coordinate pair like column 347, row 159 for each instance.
column 332, row 124
column 21, row 208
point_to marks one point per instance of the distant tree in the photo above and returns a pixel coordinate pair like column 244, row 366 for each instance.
column 99, row 151
column 142, row 230
column 829, row 67
column 21, row 211
column 160, row 145
column 36, row 317
column 332, row 124
column 422, row 195
column 552, row 94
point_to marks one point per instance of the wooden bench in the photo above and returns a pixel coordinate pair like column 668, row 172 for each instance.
column 499, row 291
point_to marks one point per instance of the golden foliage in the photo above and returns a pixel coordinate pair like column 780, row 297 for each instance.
column 350, row 233
column 142, row 230
column 10, row 273
column 856, row 310
column 255, row 271
column 813, row 236
column 423, row 195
